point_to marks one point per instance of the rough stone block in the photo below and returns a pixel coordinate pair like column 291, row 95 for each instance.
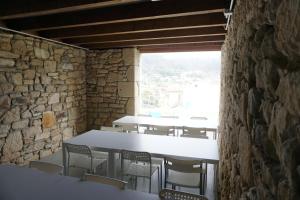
column 42, row 136
column 5, row 62
column 7, row 54
column 49, row 119
column 17, row 79
column 5, row 102
column 4, row 129
column 45, row 80
column 67, row 133
column 20, row 124
column 54, row 98
column 13, row 143
column 29, row 74
column 50, row 66
column 12, row 115
column 21, row 88
column 41, row 53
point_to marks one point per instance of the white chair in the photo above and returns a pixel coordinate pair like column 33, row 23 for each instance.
column 161, row 130
column 105, row 180
column 111, row 129
column 194, row 132
column 130, row 128
column 46, row 167
column 167, row 194
column 186, row 173
column 138, row 164
column 82, row 157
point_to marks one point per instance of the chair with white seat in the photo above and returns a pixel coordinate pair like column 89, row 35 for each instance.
column 168, row 194
column 194, row 132
column 46, row 167
column 105, row 180
column 111, row 129
column 138, row 164
column 82, row 157
column 186, row 173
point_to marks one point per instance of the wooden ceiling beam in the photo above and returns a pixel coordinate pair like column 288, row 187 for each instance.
column 30, row 8
column 116, row 14
column 204, row 39
column 167, row 34
column 195, row 21
column 180, row 48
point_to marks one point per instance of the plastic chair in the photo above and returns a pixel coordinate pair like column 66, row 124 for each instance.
column 138, row 164
column 46, row 167
column 161, row 130
column 186, row 173
column 194, row 132
column 105, row 180
column 82, row 157
column 167, row 194
column 130, row 128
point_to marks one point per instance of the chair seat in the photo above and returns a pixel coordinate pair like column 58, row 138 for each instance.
column 139, row 169
column 183, row 179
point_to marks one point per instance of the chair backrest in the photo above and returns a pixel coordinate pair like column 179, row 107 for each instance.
column 46, row 167
column 161, row 130
column 105, row 180
column 112, row 129
column 136, row 156
column 168, row 194
column 79, row 149
column 192, row 130
column 185, row 166
column 129, row 127
column 129, row 157
column 156, row 132
column 198, row 118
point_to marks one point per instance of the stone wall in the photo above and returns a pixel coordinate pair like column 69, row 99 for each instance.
column 112, row 85
column 260, row 110
column 42, row 97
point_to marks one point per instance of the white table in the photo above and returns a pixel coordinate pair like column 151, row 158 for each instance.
column 161, row 121
column 21, row 183
column 156, row 145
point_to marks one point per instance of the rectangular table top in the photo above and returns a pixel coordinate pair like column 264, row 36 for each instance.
column 156, row 145
column 161, row 121
column 19, row 183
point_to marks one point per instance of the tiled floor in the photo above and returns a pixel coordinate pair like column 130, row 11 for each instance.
column 142, row 184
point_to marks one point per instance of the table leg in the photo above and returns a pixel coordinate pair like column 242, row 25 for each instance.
column 216, row 184
column 64, row 159
column 111, row 172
